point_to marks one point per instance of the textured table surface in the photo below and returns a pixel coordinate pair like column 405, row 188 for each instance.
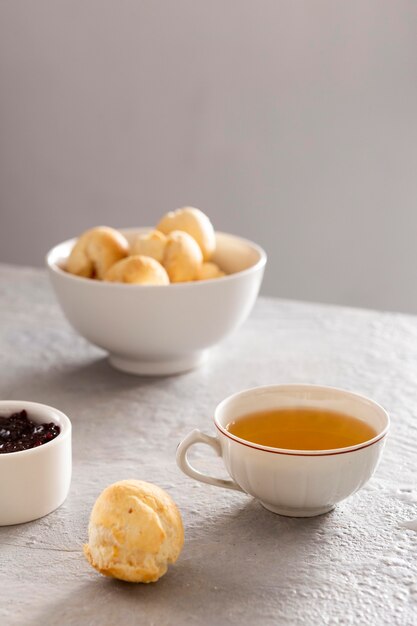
column 240, row 563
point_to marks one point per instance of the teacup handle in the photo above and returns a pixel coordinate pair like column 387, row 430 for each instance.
column 196, row 436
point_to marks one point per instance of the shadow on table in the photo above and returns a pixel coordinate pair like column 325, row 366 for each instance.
column 235, row 567
column 93, row 376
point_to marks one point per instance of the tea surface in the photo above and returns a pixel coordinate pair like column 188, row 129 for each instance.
column 301, row 429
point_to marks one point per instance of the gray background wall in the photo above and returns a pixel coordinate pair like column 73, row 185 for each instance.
column 290, row 122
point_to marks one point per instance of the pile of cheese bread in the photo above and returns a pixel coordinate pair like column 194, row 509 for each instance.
column 180, row 249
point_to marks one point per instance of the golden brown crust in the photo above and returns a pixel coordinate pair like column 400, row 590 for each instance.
column 96, row 251
column 182, row 257
column 140, row 575
column 139, row 270
column 135, row 531
column 150, row 244
column 208, row 271
column 195, row 223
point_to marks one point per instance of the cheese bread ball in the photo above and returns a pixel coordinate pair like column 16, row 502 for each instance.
column 139, row 270
column 150, row 244
column 182, row 258
column 195, row 223
column 209, row 270
column 135, row 532
column 95, row 251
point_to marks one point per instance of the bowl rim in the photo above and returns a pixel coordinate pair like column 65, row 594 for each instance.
column 293, row 452
column 259, row 264
column 65, row 426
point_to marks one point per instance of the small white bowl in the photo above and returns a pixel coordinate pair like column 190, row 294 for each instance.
column 159, row 330
column 35, row 482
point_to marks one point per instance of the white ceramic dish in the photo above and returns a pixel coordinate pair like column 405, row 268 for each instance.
column 157, row 330
column 297, row 483
column 35, row 482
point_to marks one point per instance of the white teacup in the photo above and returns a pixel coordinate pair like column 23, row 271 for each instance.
column 297, row 483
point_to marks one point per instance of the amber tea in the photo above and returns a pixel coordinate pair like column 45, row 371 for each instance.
column 301, row 428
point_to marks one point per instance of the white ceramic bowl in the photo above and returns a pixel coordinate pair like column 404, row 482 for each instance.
column 35, row 482
column 157, row 330
column 297, row 483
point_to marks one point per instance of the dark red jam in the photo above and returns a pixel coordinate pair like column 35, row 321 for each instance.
column 18, row 432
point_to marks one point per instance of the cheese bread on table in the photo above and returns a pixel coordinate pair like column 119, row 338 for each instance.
column 135, row 532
